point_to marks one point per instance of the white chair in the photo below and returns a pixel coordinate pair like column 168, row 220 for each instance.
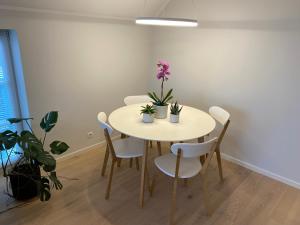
column 223, row 117
column 127, row 148
column 135, row 99
column 184, row 163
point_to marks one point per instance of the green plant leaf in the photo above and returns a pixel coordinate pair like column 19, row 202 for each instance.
column 45, row 193
column 58, row 147
column 49, row 121
column 30, row 144
column 57, row 184
column 18, row 120
column 167, row 96
column 47, row 161
column 8, row 139
column 155, row 99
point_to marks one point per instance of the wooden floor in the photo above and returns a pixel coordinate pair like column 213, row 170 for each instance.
column 245, row 198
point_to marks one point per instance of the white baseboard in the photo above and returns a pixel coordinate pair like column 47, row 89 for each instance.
column 261, row 171
column 224, row 156
column 88, row 148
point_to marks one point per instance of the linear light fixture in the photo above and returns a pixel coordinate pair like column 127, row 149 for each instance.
column 174, row 22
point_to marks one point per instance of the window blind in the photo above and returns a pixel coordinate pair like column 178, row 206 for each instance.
column 9, row 106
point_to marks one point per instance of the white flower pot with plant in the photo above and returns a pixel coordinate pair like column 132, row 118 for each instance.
column 175, row 112
column 161, row 103
column 148, row 113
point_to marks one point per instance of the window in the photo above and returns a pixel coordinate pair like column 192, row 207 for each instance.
column 9, row 104
column 9, row 100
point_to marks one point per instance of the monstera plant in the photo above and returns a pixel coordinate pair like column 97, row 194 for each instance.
column 34, row 171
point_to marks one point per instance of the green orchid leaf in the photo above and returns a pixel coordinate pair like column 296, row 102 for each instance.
column 49, row 121
column 58, row 147
column 167, row 95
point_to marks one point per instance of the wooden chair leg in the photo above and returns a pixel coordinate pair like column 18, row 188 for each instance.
column 219, row 163
column 152, row 186
column 205, row 195
column 105, row 161
column 173, row 201
column 137, row 163
column 123, row 136
column 143, row 173
column 119, row 162
column 159, row 148
column 202, row 157
column 130, row 163
column 185, row 182
column 110, row 180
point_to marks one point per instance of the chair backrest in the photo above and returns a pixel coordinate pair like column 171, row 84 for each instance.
column 191, row 150
column 135, row 99
column 219, row 114
column 102, row 118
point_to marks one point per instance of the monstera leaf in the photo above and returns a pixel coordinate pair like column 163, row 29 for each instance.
column 58, row 147
column 57, row 184
column 47, row 161
column 30, row 144
column 8, row 139
column 45, row 192
column 49, row 121
column 18, row 120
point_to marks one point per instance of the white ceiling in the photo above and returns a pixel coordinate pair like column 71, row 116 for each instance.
column 209, row 10
column 107, row 8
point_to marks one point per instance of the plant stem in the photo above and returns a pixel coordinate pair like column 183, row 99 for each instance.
column 3, row 167
column 29, row 126
column 44, row 138
column 162, row 89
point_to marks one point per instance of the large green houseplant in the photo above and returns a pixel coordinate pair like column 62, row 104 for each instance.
column 34, row 173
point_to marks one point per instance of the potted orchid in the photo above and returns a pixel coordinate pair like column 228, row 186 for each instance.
column 161, row 103
column 148, row 112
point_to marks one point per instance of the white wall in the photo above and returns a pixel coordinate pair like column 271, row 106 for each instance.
column 244, row 57
column 79, row 69
column 252, row 70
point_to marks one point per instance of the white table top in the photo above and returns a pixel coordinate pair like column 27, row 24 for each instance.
column 193, row 123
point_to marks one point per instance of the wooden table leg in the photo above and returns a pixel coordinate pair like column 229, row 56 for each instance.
column 143, row 174
column 202, row 157
column 159, row 148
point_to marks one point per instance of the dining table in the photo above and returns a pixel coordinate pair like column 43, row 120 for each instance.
column 193, row 124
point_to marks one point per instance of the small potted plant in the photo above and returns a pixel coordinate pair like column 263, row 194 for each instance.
column 161, row 103
column 175, row 111
column 148, row 113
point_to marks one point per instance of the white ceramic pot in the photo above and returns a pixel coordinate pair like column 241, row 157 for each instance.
column 161, row 111
column 148, row 118
column 174, row 118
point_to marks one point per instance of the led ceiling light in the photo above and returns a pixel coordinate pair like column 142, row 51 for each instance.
column 162, row 21
column 158, row 21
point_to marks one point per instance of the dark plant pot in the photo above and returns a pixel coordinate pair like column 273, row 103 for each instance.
column 23, row 180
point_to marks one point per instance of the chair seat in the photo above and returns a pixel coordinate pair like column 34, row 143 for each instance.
column 129, row 147
column 188, row 167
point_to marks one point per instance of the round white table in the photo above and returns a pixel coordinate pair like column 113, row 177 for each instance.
column 193, row 124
